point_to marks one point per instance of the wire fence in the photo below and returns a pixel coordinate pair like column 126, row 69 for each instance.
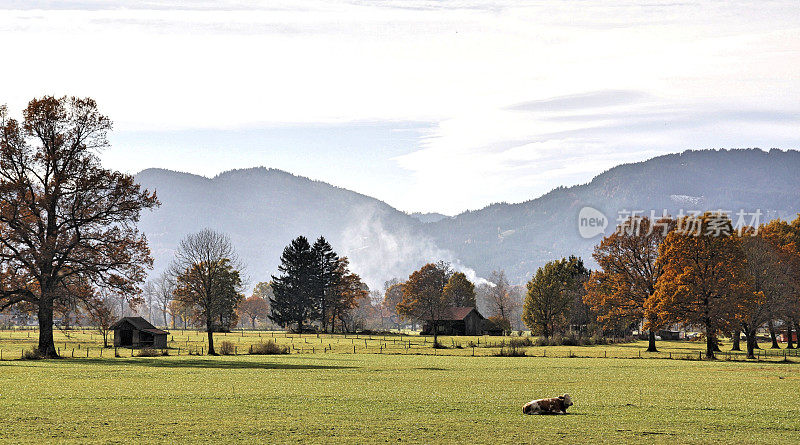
column 87, row 344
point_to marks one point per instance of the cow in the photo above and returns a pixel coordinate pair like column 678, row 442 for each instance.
column 554, row 405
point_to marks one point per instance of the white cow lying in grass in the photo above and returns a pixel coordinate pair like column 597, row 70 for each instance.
column 554, row 405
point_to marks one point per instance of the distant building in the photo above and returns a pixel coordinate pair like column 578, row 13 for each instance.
column 457, row 321
column 136, row 332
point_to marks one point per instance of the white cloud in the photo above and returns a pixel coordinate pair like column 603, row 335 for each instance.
column 667, row 70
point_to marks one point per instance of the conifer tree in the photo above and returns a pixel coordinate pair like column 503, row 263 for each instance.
column 295, row 290
column 328, row 276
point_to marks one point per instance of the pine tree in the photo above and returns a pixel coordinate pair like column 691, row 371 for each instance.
column 295, row 291
column 327, row 279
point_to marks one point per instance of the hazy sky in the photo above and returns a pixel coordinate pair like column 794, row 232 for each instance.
column 428, row 105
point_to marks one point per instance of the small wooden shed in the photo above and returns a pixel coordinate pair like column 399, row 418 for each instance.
column 136, row 332
column 457, row 321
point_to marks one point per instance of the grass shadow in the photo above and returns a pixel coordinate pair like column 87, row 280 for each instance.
column 205, row 364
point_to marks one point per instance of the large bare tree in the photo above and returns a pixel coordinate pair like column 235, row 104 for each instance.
column 65, row 221
column 206, row 270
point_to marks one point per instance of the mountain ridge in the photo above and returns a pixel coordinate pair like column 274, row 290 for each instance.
column 262, row 209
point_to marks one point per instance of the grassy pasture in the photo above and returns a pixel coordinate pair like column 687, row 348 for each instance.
column 87, row 343
column 393, row 389
column 372, row 398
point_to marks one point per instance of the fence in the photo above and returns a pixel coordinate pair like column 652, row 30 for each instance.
column 83, row 344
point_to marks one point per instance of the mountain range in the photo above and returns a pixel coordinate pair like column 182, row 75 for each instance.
column 263, row 209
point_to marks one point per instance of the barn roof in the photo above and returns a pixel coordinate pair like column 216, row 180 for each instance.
column 458, row 313
column 140, row 324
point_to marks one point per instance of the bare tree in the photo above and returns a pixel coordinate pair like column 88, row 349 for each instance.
column 500, row 299
column 164, row 288
column 101, row 311
column 206, row 268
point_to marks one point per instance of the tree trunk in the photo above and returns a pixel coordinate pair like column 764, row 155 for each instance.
column 789, row 340
column 711, row 344
column 735, row 339
column 750, row 336
column 435, row 334
column 772, row 335
column 651, row 341
column 210, row 330
column 47, row 346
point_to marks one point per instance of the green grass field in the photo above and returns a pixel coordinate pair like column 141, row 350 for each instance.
column 376, row 398
column 88, row 344
column 391, row 394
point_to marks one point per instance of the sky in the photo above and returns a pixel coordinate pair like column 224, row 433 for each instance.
column 431, row 106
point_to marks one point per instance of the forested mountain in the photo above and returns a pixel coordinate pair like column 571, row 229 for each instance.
column 521, row 237
column 263, row 209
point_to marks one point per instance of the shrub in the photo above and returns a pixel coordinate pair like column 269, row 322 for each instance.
column 268, row 348
column 31, row 354
column 571, row 340
column 510, row 351
column 227, row 348
column 520, row 342
column 148, row 352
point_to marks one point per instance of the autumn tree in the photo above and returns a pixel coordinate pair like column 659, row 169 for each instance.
column 392, row 296
column 207, row 280
column 703, row 281
column 785, row 237
column 348, row 293
column 459, row 291
column 263, row 290
column 423, row 295
column 296, row 289
column 768, row 281
column 254, row 308
column 628, row 273
column 63, row 217
column 550, row 294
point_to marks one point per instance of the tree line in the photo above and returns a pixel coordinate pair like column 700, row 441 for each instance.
column 69, row 246
column 693, row 271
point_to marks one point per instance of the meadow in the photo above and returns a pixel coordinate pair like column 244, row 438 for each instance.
column 381, row 397
column 88, row 344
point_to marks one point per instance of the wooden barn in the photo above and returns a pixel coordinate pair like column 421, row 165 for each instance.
column 136, row 332
column 457, row 321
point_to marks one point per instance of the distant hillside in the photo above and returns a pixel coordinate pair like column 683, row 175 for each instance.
column 263, row 209
column 521, row 237
column 429, row 217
